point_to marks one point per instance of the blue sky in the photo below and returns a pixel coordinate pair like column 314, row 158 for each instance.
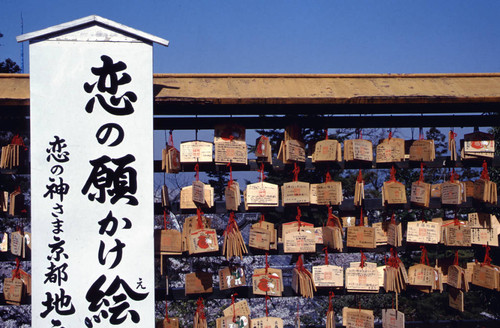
column 288, row 36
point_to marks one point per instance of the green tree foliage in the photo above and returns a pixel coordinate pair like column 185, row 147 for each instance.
column 8, row 65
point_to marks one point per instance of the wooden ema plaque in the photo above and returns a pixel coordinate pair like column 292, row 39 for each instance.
column 361, row 237
column 171, row 323
column 230, row 322
column 232, row 196
column 364, row 279
column 262, row 194
column 171, row 241
column 230, row 277
column 186, row 197
column 267, row 322
column 259, row 238
column 457, row 235
column 393, row 192
column 357, row 318
column 328, row 276
column 233, row 151
column 13, row 290
column 420, row 193
column 422, row 151
column 451, row 193
column 241, row 308
column 295, row 192
column 329, row 193
column 391, row 150
column 199, row 283
column 456, row 299
column 270, row 283
column 203, row 241
column 302, row 241
column 421, row 275
column 16, row 243
column 423, row 232
column 327, row 151
column 294, row 151
column 485, row 276
column 358, row 150
column 196, row 152
column 392, row 318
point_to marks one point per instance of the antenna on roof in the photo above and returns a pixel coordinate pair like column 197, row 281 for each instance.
column 22, row 44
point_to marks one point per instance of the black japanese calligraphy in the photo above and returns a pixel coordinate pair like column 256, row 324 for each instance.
column 60, row 302
column 119, row 183
column 109, row 82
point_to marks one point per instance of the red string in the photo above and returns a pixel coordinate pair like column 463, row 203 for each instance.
column 451, row 135
column 326, row 255
column 423, row 258
column 300, row 264
column 261, row 171
column 267, row 263
column 231, row 224
column 197, row 170
column 330, row 222
column 262, row 219
column 453, row 175
column 326, row 134
column 421, row 178
column 166, row 312
column 299, row 214
column 331, row 295
column 363, row 259
column 16, row 273
column 359, row 133
column 170, row 139
column 165, row 219
column 199, row 213
column 393, row 174
column 393, row 259
column 296, row 171
column 360, row 177
column 487, row 258
column 361, row 218
column 420, row 134
column 234, row 306
column 393, row 218
column 200, row 308
column 455, row 260
column 328, row 177
column 390, row 135
column 17, row 140
column 230, row 182
column 484, row 172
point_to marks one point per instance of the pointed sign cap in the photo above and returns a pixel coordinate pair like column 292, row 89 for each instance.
column 88, row 21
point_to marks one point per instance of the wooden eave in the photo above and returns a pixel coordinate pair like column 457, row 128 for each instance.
column 209, row 94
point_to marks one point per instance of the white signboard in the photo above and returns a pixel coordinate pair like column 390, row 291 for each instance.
column 92, row 180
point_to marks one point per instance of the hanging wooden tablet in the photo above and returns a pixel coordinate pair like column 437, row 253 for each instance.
column 267, row 322
column 203, row 241
column 393, row 192
column 362, row 279
column 359, row 190
column 231, row 277
column 391, row 150
column 267, row 282
column 328, row 276
column 395, row 234
column 452, row 145
column 361, row 237
column 262, row 194
column 358, row 150
column 263, row 150
column 302, row 280
column 239, row 308
column 230, row 151
column 232, row 196
column 4, row 246
column 200, row 320
column 186, row 197
column 423, row 232
column 233, row 241
column 456, row 299
column 295, row 193
column 330, row 314
column 420, row 191
column 165, row 200
column 380, row 232
column 170, row 242
column 16, row 202
column 484, row 236
column 357, row 318
column 196, row 152
column 478, row 145
column 16, row 243
column 171, row 323
column 4, row 201
column 327, row 151
column 485, row 276
column 299, row 241
column 232, row 322
column 198, row 283
column 457, row 234
column 13, row 290
column 392, row 318
column 422, row 151
column 259, row 238
column 329, row 193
